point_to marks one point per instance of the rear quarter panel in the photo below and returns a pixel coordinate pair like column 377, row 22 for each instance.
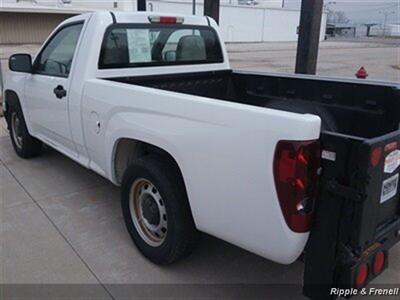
column 224, row 150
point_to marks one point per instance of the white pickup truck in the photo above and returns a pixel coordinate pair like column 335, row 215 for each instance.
column 150, row 102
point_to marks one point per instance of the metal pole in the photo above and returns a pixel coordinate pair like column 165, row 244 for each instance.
column 1, row 90
column 194, row 7
column 386, row 14
column 1, row 80
column 309, row 33
column 211, row 8
column 141, row 5
column 384, row 25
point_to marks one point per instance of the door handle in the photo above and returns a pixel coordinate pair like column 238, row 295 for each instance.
column 60, row 92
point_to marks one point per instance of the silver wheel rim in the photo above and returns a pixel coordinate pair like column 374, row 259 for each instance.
column 16, row 130
column 148, row 212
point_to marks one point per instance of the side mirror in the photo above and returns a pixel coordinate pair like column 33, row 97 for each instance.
column 20, row 63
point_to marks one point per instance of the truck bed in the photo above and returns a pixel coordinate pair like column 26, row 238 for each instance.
column 354, row 108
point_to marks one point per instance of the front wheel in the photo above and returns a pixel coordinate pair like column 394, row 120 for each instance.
column 25, row 145
column 156, row 210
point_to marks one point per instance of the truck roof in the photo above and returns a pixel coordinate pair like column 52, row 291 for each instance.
column 143, row 17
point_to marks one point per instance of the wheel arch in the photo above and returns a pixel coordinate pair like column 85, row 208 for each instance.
column 125, row 150
column 10, row 98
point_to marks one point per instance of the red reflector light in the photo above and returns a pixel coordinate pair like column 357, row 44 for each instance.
column 165, row 20
column 379, row 262
column 296, row 166
column 376, row 156
column 362, row 275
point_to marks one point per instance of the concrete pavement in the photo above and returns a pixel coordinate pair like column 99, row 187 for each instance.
column 62, row 224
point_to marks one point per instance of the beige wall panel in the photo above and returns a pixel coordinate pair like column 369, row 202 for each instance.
column 27, row 28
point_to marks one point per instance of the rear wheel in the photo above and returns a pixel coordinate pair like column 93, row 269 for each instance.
column 156, row 210
column 148, row 212
column 25, row 145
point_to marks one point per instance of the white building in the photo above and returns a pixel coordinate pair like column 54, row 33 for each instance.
column 268, row 22
column 393, row 30
column 87, row 5
column 390, row 30
column 239, row 23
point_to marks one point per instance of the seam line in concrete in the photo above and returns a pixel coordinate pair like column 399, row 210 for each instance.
column 67, row 194
column 58, row 230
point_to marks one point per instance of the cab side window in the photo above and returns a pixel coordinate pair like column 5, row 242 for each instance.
column 56, row 58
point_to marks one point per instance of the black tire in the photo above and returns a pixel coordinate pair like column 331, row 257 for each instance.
column 25, row 145
column 181, row 234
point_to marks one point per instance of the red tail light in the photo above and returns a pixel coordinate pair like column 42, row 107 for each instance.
column 296, row 168
column 362, row 275
column 379, row 262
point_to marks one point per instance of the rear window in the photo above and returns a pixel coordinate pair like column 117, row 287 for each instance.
column 126, row 46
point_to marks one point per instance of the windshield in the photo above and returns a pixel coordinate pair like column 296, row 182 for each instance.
column 127, row 46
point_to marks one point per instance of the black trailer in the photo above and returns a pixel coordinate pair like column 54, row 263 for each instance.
column 357, row 215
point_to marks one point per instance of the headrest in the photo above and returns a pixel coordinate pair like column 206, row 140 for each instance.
column 191, row 47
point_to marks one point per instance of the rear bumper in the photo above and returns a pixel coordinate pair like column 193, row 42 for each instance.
column 347, row 272
column 390, row 235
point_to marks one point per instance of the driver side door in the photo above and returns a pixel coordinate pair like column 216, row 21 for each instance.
column 47, row 89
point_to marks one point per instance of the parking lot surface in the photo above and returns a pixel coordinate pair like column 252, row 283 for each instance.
column 342, row 58
column 62, row 224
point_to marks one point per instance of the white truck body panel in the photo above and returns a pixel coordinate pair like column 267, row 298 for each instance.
column 224, row 150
